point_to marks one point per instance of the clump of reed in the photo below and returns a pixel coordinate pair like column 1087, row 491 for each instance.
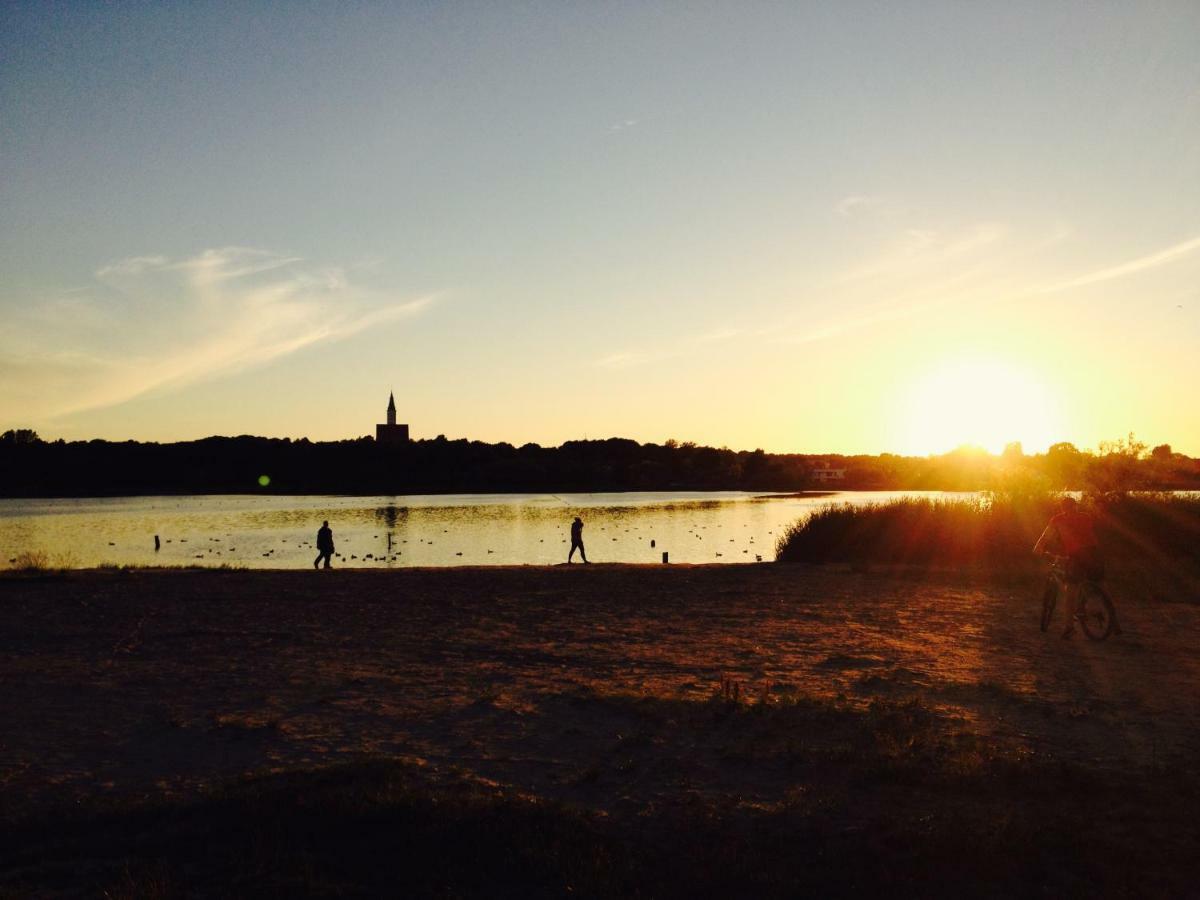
column 990, row 530
column 35, row 562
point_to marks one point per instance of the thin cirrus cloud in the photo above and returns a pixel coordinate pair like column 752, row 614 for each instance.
column 856, row 204
column 922, row 252
column 919, row 271
column 1133, row 266
column 151, row 324
column 627, row 359
column 970, row 277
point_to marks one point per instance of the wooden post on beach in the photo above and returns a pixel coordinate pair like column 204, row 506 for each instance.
column 156, row 543
column 664, row 557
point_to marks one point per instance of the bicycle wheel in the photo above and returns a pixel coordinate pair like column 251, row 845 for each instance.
column 1096, row 611
column 1049, row 598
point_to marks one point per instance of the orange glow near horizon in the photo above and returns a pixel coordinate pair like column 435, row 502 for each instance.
column 984, row 402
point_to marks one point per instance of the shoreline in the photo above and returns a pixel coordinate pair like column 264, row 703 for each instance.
column 749, row 494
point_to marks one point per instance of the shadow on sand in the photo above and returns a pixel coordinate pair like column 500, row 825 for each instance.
column 892, row 798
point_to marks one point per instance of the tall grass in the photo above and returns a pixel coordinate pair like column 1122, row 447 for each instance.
column 40, row 561
column 996, row 530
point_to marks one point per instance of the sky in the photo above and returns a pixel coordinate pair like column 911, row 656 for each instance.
column 808, row 227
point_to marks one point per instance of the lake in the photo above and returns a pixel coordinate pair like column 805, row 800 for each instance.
column 425, row 530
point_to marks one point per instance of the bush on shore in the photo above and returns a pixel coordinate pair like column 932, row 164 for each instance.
column 992, row 531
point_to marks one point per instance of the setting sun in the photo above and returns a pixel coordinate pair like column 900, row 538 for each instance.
column 979, row 401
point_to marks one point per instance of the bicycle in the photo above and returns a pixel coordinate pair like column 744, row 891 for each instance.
column 1094, row 608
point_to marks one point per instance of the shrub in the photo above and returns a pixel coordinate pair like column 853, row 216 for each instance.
column 41, row 561
column 32, row 561
column 988, row 530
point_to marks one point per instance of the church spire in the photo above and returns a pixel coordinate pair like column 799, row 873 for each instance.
column 391, row 434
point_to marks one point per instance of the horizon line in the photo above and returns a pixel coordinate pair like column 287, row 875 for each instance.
column 964, row 447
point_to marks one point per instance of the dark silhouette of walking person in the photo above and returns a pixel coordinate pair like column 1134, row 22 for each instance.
column 577, row 540
column 324, row 545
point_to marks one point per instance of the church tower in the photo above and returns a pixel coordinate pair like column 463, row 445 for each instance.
column 391, row 433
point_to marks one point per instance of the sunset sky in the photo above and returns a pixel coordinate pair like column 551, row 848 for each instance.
column 840, row 227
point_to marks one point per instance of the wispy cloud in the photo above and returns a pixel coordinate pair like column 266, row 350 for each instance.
column 671, row 349
column 155, row 324
column 921, row 252
column 1133, row 266
column 623, row 359
column 840, row 327
column 919, row 271
column 858, row 203
column 926, row 270
column 134, row 265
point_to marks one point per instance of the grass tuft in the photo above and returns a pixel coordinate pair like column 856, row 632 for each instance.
column 40, row 562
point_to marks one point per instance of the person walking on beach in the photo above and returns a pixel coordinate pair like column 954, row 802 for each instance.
column 577, row 540
column 324, row 545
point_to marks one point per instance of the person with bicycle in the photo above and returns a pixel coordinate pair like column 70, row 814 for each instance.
column 1072, row 532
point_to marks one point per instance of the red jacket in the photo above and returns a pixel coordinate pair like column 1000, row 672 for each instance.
column 1076, row 532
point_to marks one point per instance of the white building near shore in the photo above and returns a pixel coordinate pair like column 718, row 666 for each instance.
column 823, row 473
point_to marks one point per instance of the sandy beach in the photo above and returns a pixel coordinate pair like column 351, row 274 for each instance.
column 623, row 692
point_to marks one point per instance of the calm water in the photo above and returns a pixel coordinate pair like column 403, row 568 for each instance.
column 430, row 530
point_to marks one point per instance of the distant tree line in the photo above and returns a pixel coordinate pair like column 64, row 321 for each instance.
column 30, row 467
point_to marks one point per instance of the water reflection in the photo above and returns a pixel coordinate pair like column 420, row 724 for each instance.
column 428, row 530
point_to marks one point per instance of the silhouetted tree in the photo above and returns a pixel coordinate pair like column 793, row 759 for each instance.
column 1116, row 469
column 30, row 467
column 20, row 436
column 1013, row 452
column 1064, row 466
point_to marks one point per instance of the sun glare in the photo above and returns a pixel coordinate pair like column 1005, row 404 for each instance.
column 981, row 402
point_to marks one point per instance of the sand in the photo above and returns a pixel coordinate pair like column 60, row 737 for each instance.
column 579, row 684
